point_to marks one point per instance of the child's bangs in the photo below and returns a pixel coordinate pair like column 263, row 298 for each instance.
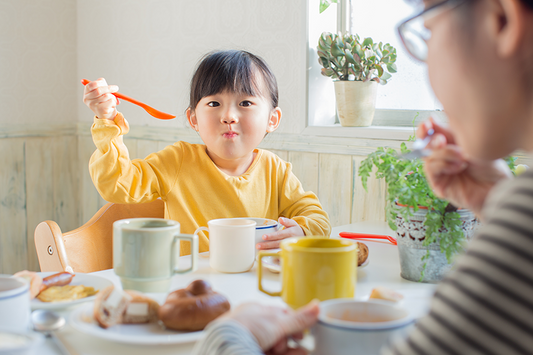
column 234, row 74
column 237, row 72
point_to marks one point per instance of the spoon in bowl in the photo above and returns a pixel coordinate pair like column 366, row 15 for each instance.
column 47, row 322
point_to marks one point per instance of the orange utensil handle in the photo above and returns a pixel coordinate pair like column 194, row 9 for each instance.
column 351, row 235
column 150, row 110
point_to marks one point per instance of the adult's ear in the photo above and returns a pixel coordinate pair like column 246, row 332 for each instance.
column 274, row 120
column 510, row 26
column 191, row 117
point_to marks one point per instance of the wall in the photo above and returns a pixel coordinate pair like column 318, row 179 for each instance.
column 38, row 114
column 149, row 48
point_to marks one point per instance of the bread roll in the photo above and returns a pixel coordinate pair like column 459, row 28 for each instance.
column 192, row 308
column 36, row 282
column 109, row 306
column 362, row 253
column 140, row 309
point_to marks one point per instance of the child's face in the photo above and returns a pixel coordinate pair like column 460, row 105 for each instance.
column 232, row 125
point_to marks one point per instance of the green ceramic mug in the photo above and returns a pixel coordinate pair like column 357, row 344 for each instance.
column 146, row 251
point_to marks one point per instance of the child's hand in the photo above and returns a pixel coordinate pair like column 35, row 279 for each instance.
column 97, row 95
column 272, row 240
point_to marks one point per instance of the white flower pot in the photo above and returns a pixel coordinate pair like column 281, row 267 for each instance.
column 356, row 102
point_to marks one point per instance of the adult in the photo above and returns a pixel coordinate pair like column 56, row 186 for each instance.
column 480, row 64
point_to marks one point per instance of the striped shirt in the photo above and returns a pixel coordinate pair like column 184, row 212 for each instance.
column 485, row 306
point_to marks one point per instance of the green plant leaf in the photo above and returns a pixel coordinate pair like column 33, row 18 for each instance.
column 380, row 71
column 367, row 42
column 336, row 50
column 324, row 4
column 385, row 76
column 391, row 67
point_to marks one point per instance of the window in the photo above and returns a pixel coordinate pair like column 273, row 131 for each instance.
column 408, row 91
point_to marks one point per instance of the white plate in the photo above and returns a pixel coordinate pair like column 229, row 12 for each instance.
column 270, row 264
column 88, row 280
column 148, row 334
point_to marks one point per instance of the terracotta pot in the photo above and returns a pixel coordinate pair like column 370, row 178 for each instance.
column 356, row 102
column 410, row 237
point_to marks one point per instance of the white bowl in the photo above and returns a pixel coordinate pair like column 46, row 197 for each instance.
column 18, row 343
column 264, row 226
column 347, row 326
column 14, row 303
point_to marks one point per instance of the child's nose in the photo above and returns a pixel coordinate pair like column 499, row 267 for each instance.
column 229, row 119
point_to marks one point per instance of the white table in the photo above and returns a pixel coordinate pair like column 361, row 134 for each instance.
column 383, row 270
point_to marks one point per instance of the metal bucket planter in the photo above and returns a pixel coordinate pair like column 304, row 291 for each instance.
column 410, row 237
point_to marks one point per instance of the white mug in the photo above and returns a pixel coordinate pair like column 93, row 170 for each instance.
column 14, row 303
column 231, row 244
column 358, row 327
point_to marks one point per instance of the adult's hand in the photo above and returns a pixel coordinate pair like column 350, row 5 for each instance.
column 463, row 181
column 271, row 326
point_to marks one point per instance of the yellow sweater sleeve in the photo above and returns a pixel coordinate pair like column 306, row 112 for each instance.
column 121, row 180
column 303, row 206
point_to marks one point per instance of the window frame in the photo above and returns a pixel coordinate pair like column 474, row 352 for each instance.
column 387, row 123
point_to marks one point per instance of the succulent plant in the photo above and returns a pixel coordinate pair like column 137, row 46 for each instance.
column 345, row 57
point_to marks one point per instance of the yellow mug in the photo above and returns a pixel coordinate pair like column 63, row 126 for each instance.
column 313, row 267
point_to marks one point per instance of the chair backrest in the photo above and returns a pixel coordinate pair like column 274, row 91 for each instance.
column 90, row 247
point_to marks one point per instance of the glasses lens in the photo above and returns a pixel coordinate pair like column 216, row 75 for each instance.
column 415, row 35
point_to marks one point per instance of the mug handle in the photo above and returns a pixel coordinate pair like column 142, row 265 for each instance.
column 260, row 272
column 193, row 238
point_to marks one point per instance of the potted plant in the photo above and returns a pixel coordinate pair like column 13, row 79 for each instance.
column 430, row 230
column 357, row 67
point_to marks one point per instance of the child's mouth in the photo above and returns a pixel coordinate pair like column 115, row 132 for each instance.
column 230, row 135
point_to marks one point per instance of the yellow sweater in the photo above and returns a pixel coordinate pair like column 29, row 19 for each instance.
column 195, row 190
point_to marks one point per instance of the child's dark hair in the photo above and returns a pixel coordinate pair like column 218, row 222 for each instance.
column 234, row 71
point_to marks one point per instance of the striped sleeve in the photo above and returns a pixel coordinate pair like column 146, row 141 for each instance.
column 486, row 305
column 227, row 337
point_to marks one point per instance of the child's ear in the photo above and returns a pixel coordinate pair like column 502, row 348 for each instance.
column 191, row 117
column 274, row 120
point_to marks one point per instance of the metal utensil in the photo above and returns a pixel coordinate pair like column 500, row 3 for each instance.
column 350, row 235
column 419, row 148
column 47, row 322
column 152, row 111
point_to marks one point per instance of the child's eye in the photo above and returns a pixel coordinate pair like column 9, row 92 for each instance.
column 213, row 104
column 246, row 103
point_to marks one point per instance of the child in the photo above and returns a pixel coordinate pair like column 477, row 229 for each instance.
column 233, row 105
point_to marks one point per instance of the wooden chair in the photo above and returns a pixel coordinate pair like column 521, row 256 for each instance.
column 90, row 247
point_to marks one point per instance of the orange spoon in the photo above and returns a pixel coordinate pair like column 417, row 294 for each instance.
column 367, row 236
column 152, row 111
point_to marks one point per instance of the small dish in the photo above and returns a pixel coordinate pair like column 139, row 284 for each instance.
column 18, row 343
column 88, row 280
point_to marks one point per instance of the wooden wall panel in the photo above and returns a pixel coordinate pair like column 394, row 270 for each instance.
column 90, row 200
column 367, row 205
column 335, row 187
column 66, row 182
column 13, row 231
column 146, row 147
column 305, row 167
column 39, row 191
column 283, row 154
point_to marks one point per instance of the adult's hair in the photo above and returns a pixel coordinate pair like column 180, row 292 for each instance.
column 234, row 71
column 528, row 3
